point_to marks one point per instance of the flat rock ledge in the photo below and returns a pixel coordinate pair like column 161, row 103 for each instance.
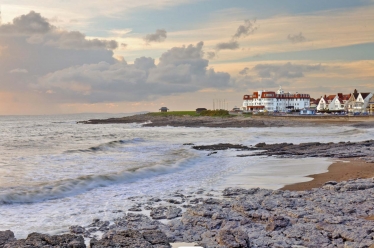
column 335, row 215
column 363, row 149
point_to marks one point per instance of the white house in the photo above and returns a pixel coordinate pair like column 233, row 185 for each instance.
column 336, row 102
column 359, row 102
column 275, row 101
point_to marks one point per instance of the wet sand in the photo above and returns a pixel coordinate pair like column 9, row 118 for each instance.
column 339, row 171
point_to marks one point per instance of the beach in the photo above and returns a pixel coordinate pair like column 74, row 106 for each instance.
column 153, row 184
column 344, row 170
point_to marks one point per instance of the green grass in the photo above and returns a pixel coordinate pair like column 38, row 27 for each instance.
column 174, row 113
column 216, row 113
column 219, row 113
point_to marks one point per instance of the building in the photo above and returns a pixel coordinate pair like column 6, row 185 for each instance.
column 335, row 103
column 275, row 101
column 370, row 108
column 308, row 111
column 359, row 102
column 164, row 109
column 199, row 110
column 314, row 102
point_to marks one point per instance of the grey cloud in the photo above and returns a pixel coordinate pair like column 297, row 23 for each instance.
column 32, row 23
column 159, row 36
column 298, row 38
column 231, row 45
column 39, row 59
column 246, row 29
column 180, row 70
column 211, row 55
column 37, row 30
column 244, row 71
column 287, row 70
column 77, row 40
column 124, row 45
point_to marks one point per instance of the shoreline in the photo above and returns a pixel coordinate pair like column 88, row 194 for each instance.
column 149, row 120
column 338, row 171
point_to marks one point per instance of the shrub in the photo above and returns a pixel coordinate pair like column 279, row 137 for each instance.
column 220, row 112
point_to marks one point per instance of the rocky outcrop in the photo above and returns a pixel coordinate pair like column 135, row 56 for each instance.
column 332, row 216
column 6, row 237
column 36, row 240
column 133, row 238
column 364, row 149
column 335, row 215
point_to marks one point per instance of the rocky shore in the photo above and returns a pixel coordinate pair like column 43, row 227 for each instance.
column 335, row 215
column 363, row 150
column 149, row 120
column 338, row 214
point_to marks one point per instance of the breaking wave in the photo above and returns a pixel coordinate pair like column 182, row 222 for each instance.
column 108, row 145
column 71, row 187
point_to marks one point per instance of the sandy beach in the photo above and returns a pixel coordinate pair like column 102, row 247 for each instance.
column 342, row 170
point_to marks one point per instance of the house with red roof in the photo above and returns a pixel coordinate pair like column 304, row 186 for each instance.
column 275, row 101
column 336, row 102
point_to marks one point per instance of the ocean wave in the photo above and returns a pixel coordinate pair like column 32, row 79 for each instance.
column 72, row 187
column 107, row 146
column 351, row 132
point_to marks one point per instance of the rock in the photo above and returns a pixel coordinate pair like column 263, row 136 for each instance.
column 6, row 237
column 44, row 240
column 165, row 213
column 133, row 238
column 276, row 223
column 232, row 238
column 77, row 229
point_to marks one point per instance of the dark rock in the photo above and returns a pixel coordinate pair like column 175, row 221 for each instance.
column 165, row 213
column 276, row 223
column 133, row 238
column 6, row 237
column 77, row 229
column 233, row 238
column 44, row 240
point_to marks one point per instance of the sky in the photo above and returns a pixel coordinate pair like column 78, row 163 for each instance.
column 64, row 56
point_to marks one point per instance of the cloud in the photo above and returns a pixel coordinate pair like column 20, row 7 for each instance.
column 31, row 46
column 231, row 45
column 32, row 23
column 287, row 70
column 159, row 36
column 298, row 38
column 211, row 55
column 37, row 30
column 18, row 70
column 246, row 29
column 180, row 69
column 124, row 45
column 244, row 71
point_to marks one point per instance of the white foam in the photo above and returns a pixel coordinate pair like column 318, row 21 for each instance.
column 36, row 155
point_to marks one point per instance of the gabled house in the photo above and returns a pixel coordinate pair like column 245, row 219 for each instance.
column 359, row 102
column 370, row 107
column 324, row 102
column 336, row 102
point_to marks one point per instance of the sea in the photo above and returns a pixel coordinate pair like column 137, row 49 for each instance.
column 55, row 173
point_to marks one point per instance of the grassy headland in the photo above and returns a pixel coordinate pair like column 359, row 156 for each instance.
column 217, row 113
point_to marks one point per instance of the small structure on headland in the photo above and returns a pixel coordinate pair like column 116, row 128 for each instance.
column 199, row 110
column 164, row 109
